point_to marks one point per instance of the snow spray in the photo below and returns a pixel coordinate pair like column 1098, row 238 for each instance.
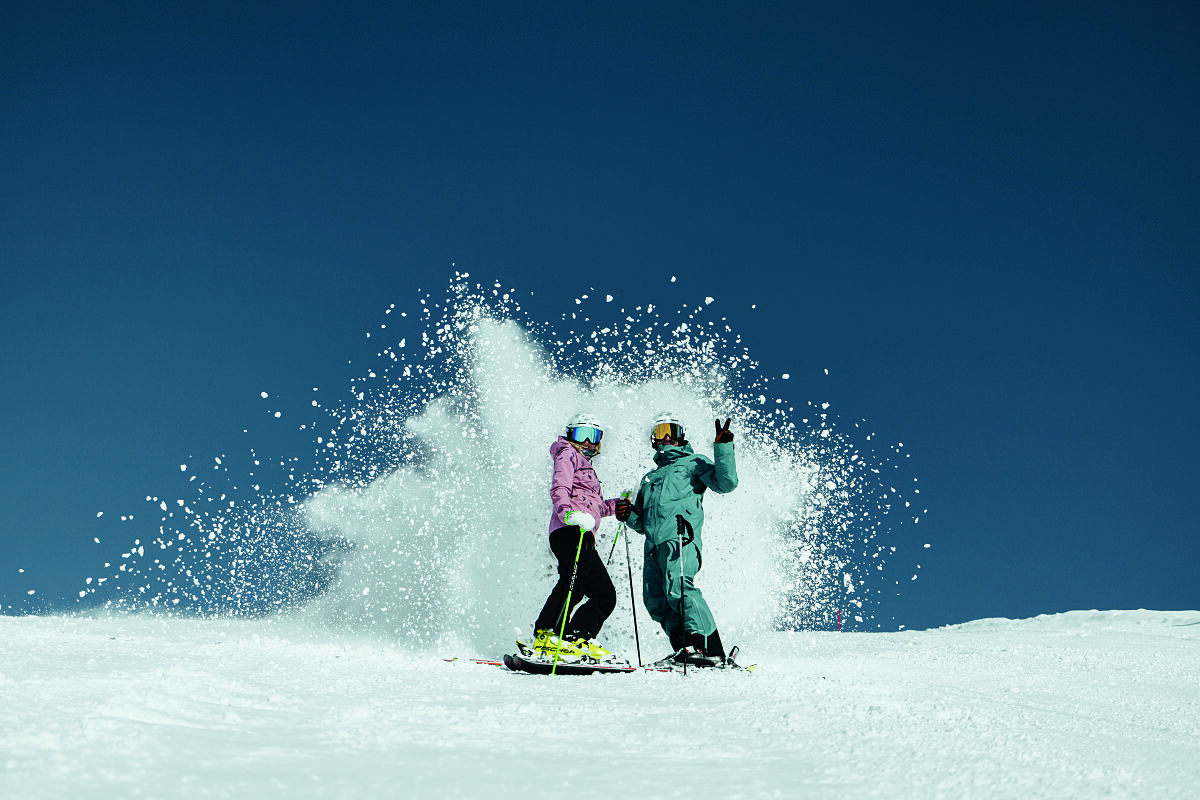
column 422, row 517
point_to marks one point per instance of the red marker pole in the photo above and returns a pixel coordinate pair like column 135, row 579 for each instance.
column 839, row 620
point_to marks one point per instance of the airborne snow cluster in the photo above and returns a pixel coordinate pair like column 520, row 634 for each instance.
column 422, row 512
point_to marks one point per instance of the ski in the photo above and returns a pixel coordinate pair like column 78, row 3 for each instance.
column 687, row 659
column 684, row 661
column 538, row 666
column 528, row 662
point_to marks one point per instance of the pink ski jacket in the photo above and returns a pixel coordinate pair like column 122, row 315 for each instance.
column 574, row 486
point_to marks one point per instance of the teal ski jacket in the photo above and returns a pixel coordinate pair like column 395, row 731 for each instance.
column 675, row 488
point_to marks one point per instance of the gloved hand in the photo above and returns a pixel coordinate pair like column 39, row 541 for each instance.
column 624, row 507
column 583, row 519
column 723, row 434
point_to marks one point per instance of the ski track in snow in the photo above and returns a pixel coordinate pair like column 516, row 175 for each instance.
column 1083, row 704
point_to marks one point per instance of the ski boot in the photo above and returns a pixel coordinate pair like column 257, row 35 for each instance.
column 590, row 650
column 546, row 644
column 696, row 657
column 697, row 650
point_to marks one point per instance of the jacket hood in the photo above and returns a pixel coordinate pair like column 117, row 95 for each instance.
column 672, row 453
column 557, row 447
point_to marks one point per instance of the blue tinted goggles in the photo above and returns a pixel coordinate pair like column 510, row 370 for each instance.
column 585, row 434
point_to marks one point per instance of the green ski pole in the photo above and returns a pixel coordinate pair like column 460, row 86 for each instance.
column 620, row 529
column 567, row 606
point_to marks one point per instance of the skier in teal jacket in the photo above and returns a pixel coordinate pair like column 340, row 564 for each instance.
column 669, row 511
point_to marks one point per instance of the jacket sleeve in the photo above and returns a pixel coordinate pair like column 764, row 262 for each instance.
column 722, row 476
column 610, row 507
column 561, row 482
column 636, row 521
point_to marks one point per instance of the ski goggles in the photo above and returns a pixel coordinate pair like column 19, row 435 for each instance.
column 666, row 430
column 585, row 434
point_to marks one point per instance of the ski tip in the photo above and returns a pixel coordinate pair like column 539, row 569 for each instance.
column 485, row 661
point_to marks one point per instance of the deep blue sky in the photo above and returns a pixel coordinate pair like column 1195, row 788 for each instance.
column 981, row 218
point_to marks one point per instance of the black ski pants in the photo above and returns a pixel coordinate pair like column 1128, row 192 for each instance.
column 591, row 582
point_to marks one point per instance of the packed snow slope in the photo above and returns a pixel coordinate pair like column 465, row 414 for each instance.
column 1085, row 704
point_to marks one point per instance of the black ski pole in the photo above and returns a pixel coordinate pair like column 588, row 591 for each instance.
column 680, row 522
column 632, row 603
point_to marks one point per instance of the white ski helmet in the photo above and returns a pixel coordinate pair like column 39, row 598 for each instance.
column 585, row 432
column 666, row 418
column 584, row 419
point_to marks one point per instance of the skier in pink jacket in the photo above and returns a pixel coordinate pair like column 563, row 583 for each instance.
column 576, row 510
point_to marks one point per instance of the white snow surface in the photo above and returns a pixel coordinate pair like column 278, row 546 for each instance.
column 1084, row 704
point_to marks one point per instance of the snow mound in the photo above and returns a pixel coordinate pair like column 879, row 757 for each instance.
column 1084, row 621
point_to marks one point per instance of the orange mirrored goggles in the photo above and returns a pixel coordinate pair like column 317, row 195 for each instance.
column 667, row 430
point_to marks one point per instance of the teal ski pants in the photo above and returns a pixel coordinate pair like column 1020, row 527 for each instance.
column 661, row 589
